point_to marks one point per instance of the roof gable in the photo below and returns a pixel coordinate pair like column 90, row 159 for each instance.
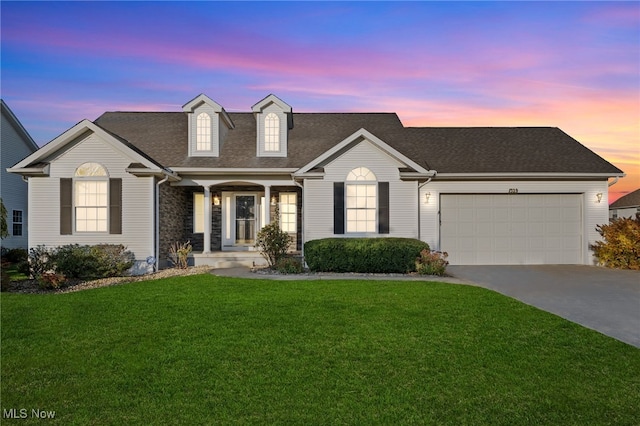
column 353, row 140
column 24, row 135
column 201, row 99
column 39, row 158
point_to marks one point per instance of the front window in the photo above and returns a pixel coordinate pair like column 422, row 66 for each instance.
column 361, row 197
column 271, row 132
column 203, row 132
column 17, row 223
column 198, row 212
column 288, row 214
column 91, row 198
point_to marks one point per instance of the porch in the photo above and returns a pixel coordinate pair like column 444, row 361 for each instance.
column 228, row 259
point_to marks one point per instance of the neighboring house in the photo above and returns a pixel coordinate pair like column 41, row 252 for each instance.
column 15, row 144
column 148, row 179
column 626, row 206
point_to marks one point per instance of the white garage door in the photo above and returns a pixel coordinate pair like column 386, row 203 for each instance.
column 501, row 229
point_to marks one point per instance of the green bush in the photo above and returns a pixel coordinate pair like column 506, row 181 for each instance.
column 112, row 260
column 289, row 265
column 99, row 261
column 620, row 247
column 273, row 243
column 365, row 255
column 432, row 262
column 41, row 260
column 15, row 255
column 75, row 261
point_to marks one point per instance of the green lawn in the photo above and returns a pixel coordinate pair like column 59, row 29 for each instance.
column 209, row 350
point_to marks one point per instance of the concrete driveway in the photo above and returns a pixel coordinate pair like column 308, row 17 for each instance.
column 606, row 300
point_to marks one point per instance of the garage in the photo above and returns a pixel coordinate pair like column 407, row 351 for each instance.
column 512, row 229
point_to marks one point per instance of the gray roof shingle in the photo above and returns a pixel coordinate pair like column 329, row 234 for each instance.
column 632, row 199
column 163, row 137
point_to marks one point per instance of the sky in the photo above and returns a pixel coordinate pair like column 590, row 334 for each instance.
column 572, row 65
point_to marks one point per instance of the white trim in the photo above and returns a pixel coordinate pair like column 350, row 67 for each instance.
column 271, row 99
column 190, row 106
column 224, row 171
column 501, row 175
column 363, row 133
column 69, row 136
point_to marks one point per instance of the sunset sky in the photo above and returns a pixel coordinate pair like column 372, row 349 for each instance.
column 572, row 65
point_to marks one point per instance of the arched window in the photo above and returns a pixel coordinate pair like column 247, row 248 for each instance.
column 271, row 132
column 91, row 198
column 361, row 200
column 203, row 132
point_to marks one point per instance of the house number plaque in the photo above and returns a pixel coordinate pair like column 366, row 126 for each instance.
column 513, row 190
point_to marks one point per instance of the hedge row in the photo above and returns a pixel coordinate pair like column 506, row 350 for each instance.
column 364, row 255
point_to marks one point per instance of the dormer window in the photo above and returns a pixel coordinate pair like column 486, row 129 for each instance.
column 208, row 126
column 273, row 121
column 203, row 132
column 271, row 132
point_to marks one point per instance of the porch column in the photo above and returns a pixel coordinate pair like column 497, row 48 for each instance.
column 207, row 220
column 267, row 207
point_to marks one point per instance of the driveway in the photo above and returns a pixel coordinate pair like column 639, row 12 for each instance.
column 606, row 300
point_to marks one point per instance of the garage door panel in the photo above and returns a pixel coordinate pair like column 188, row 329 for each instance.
column 512, row 229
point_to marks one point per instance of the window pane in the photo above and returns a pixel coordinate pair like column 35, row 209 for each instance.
column 198, row 212
column 271, row 132
column 91, row 169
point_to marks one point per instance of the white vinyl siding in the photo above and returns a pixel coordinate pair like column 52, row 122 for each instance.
column 13, row 189
column 137, row 200
column 591, row 213
column 318, row 194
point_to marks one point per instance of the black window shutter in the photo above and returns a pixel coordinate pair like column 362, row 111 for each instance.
column 383, row 207
column 338, row 208
column 66, row 207
column 115, row 206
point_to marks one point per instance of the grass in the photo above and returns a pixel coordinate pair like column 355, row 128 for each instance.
column 210, row 350
column 12, row 271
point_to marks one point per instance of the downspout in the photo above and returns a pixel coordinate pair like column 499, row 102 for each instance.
column 610, row 184
column 157, row 223
column 419, row 187
column 301, row 217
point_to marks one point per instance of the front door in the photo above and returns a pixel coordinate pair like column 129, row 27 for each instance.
column 245, row 220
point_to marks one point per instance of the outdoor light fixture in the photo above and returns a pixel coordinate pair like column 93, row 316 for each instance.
column 273, row 200
column 599, row 196
column 426, row 197
column 216, row 200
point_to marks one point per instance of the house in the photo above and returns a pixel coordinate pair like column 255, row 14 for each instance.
column 625, row 206
column 148, row 179
column 15, row 144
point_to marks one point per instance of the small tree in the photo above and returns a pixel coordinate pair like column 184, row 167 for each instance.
column 4, row 228
column 621, row 245
column 273, row 242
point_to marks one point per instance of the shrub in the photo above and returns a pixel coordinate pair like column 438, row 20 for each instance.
column 112, row 260
column 432, row 262
column 99, row 261
column 621, row 245
column 365, row 255
column 289, row 265
column 273, row 243
column 75, row 261
column 5, row 279
column 15, row 255
column 51, row 280
column 41, row 260
column 179, row 254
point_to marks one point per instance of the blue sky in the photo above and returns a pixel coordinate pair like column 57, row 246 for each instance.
column 574, row 65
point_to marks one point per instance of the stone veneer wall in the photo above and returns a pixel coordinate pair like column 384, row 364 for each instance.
column 172, row 219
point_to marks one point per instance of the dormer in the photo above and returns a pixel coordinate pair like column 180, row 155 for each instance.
column 274, row 118
column 208, row 126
